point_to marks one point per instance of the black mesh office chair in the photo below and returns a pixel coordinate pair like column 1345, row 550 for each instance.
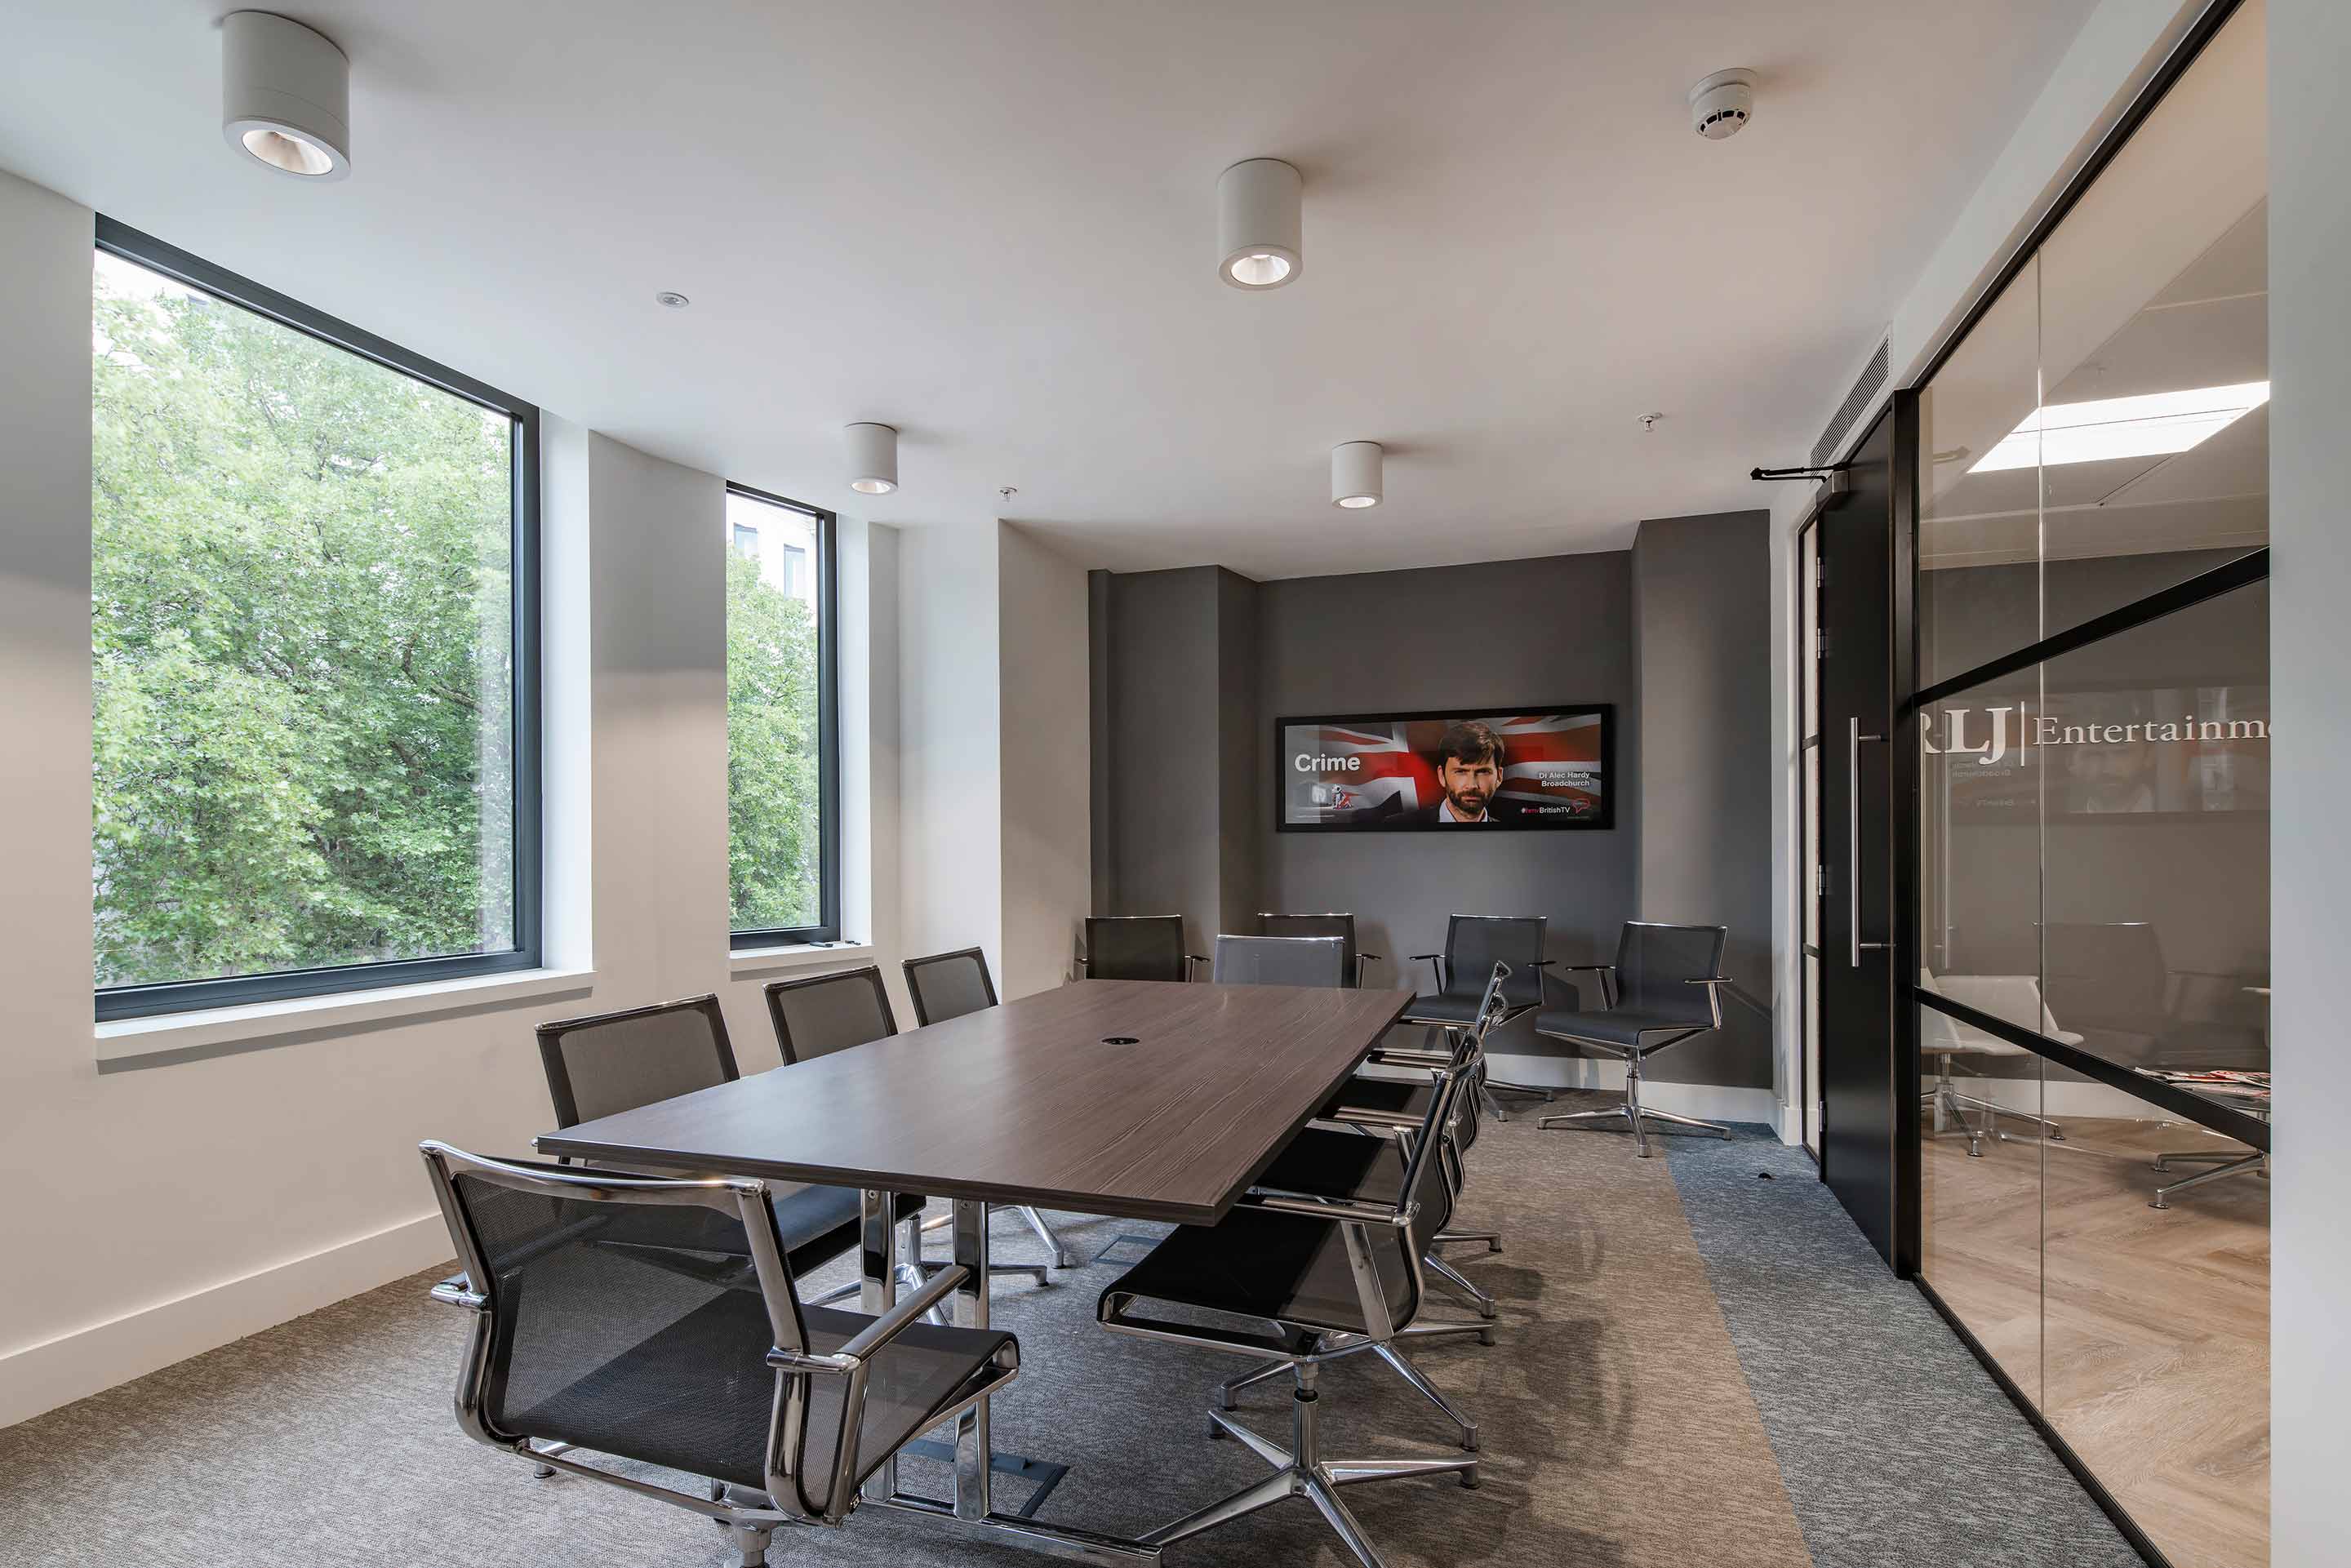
column 1474, row 944
column 584, row 1343
column 1279, row 961
column 1666, row 987
column 819, row 1014
column 948, row 985
column 605, row 1063
column 1396, row 1105
column 1329, row 1277
column 1136, row 948
column 1342, row 927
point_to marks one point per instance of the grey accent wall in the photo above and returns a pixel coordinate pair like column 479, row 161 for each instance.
column 1173, row 652
column 1474, row 638
column 1701, row 614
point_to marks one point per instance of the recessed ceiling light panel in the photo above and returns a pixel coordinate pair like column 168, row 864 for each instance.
column 285, row 96
column 1259, row 202
column 2155, row 424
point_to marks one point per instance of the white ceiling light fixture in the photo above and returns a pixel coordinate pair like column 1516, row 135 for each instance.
column 873, row 458
column 285, row 96
column 1356, row 475
column 2155, row 424
column 1259, row 202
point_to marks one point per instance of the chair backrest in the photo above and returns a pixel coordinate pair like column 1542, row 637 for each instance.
column 948, row 984
column 1426, row 1191
column 1656, row 963
column 1474, row 944
column 1134, row 946
column 605, row 1063
column 825, row 1013
column 2013, row 999
column 605, row 1330
column 1279, row 961
column 1342, row 927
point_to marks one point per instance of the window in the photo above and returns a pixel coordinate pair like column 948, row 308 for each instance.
column 782, row 756
column 315, row 632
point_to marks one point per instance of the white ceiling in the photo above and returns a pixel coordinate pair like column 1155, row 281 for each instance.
column 993, row 225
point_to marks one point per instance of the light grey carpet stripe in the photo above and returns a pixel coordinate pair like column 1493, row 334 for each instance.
column 1896, row 1447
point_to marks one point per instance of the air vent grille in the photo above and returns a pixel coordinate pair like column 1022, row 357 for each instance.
column 1864, row 392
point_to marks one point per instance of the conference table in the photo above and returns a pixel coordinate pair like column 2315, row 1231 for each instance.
column 1139, row 1100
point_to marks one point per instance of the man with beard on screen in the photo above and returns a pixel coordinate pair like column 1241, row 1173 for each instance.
column 1469, row 771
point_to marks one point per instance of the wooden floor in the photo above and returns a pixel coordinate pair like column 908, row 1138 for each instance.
column 2143, row 1334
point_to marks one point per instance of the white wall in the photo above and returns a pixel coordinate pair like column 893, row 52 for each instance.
column 160, row 1211
column 1046, row 748
column 2310, row 841
column 996, row 850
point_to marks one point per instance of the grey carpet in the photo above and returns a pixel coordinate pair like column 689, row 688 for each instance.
column 1897, row 1446
column 1619, row 1429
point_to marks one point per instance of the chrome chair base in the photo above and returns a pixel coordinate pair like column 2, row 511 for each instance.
column 1636, row 1114
column 1453, row 1277
column 1333, row 1347
column 1486, row 1087
column 2224, row 1165
column 1492, row 1239
column 1302, row 1471
column 1945, row 1101
column 1062, row 1257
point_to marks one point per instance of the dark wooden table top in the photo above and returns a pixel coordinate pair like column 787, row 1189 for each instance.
column 1027, row 1103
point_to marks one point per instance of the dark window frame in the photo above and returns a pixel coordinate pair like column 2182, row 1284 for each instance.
column 148, row 1000
column 828, row 727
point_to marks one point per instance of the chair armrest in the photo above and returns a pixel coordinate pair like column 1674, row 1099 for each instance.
column 1607, row 973
column 1436, row 962
column 1190, row 959
column 1363, row 961
column 457, row 1290
column 879, row 1332
column 1713, row 994
column 1409, row 1056
column 1306, row 1205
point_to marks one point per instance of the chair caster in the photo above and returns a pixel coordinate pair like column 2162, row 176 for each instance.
column 544, row 1472
column 1489, row 1311
column 1469, row 1443
column 1494, row 1245
column 1485, row 1336
column 1215, row 1431
column 1468, row 1480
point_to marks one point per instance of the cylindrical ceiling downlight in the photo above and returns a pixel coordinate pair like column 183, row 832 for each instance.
column 285, row 96
column 1355, row 476
column 873, row 458
column 1257, row 224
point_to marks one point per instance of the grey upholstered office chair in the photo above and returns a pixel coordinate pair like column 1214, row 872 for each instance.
column 1474, row 944
column 586, row 1344
column 609, row 1062
column 1279, row 961
column 1331, row 1276
column 948, row 985
column 1342, row 927
column 1666, row 987
column 1136, row 948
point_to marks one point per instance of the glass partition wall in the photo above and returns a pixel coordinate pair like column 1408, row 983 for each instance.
column 2092, row 882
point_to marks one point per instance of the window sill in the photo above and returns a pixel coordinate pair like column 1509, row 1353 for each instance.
column 125, row 1042
column 798, row 955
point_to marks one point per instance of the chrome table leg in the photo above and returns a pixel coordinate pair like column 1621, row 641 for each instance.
column 878, row 1273
column 972, row 1452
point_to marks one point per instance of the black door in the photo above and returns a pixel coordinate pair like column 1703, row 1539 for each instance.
column 1862, row 1083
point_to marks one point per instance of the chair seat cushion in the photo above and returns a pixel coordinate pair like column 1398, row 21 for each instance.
column 633, row 1406
column 1622, row 1028
column 1290, row 1270
column 1442, row 1007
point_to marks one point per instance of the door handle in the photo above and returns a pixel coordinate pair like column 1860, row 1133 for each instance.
column 1854, row 738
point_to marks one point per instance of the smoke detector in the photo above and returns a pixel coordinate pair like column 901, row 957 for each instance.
column 1721, row 105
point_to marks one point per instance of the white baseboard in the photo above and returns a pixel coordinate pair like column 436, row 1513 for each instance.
column 2057, row 1100
column 87, row 1361
column 1708, row 1102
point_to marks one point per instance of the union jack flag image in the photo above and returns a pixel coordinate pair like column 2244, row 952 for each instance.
column 1383, row 772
